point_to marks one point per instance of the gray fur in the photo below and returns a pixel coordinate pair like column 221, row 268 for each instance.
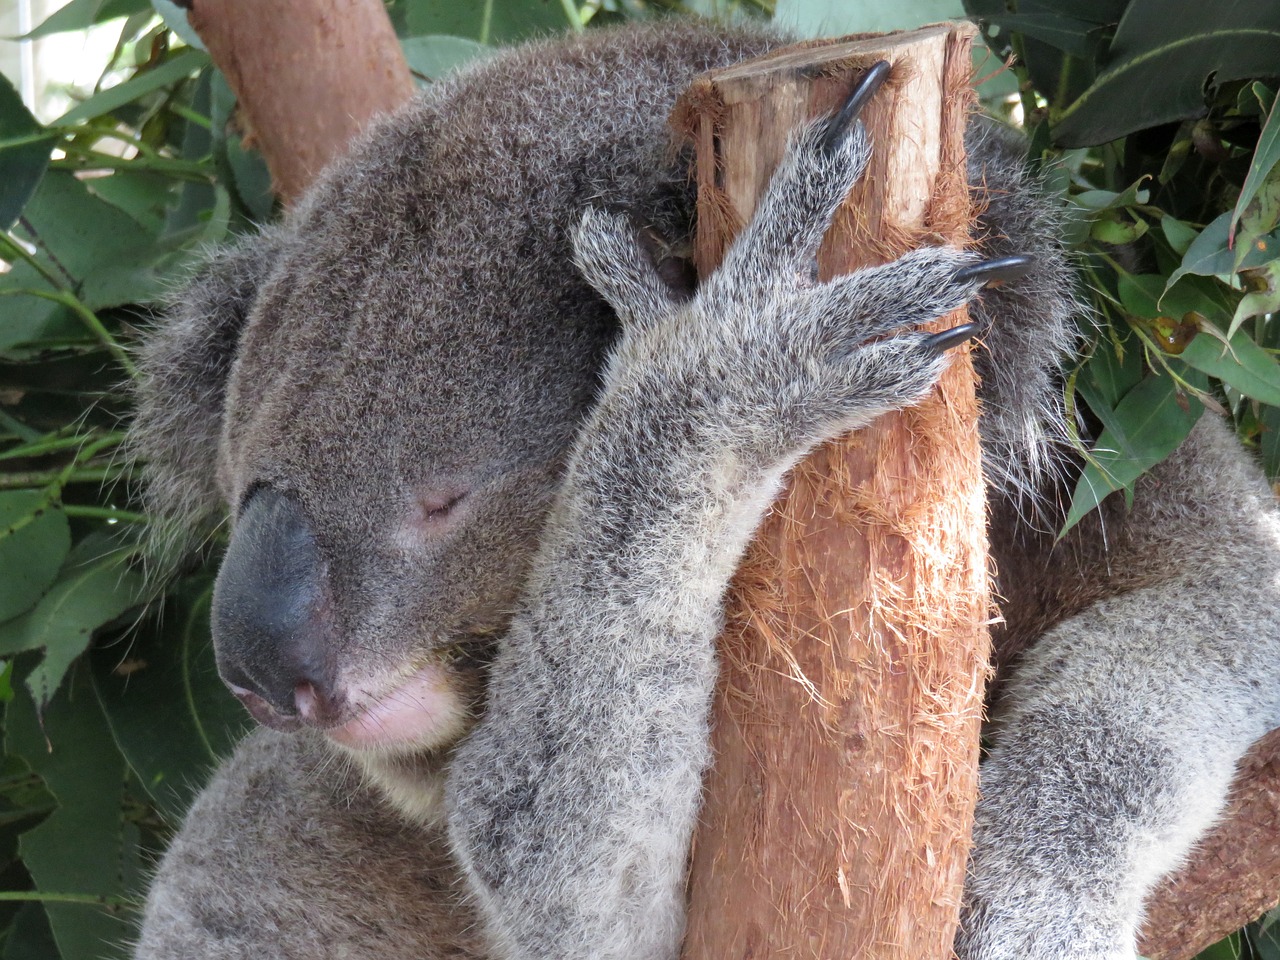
column 421, row 326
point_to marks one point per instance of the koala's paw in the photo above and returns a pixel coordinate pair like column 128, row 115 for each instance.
column 764, row 354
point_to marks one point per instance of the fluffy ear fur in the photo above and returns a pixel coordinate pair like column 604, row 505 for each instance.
column 183, row 364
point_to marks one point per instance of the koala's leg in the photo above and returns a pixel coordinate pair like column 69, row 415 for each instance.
column 572, row 802
column 288, row 856
column 1122, row 727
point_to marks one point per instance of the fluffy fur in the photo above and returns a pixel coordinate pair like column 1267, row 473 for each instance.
column 507, row 435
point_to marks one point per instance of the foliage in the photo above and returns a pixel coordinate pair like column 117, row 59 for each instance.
column 113, row 711
column 1158, row 119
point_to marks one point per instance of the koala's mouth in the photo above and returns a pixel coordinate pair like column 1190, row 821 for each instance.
column 426, row 709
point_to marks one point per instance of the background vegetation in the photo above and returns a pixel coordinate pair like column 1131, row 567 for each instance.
column 1155, row 119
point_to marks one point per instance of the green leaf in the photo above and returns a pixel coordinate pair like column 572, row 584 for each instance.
column 831, row 18
column 1243, row 365
column 34, row 540
column 1162, row 56
column 1068, row 34
column 1211, row 255
column 435, row 56
column 143, row 196
column 92, row 589
column 30, row 937
column 175, row 18
column 182, row 65
column 169, row 671
column 1266, row 156
column 80, row 848
column 1179, row 234
column 1145, row 427
column 489, row 21
column 82, row 14
column 24, row 162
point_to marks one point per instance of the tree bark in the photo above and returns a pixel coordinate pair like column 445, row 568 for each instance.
column 839, row 807
column 1234, row 875
column 308, row 74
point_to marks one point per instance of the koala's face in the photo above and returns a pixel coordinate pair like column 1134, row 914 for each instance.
column 395, row 424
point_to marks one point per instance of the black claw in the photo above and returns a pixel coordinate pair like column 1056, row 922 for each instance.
column 944, row 341
column 863, row 90
column 992, row 271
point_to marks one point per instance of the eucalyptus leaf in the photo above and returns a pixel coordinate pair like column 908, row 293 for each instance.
column 434, row 56
column 90, row 591
column 169, row 671
column 34, row 540
column 80, row 848
column 30, row 937
column 1163, row 54
column 82, row 14
column 1265, row 158
column 24, row 162
column 184, row 64
column 488, row 22
column 1068, row 34
column 1145, row 427
column 175, row 18
column 1210, row 254
column 831, row 18
column 1179, row 234
column 1243, row 365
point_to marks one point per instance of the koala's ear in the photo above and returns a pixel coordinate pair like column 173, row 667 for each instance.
column 183, row 365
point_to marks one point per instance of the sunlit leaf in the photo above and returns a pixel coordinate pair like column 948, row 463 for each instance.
column 81, row 14
column 182, row 65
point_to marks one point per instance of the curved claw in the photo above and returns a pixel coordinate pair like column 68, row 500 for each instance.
column 947, row 339
column 866, row 87
column 993, row 271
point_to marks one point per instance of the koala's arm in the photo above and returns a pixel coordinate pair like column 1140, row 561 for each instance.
column 1123, row 725
column 572, row 803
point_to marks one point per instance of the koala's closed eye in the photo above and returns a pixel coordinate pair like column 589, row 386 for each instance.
column 433, row 511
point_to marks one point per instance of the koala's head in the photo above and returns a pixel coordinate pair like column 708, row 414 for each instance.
column 382, row 392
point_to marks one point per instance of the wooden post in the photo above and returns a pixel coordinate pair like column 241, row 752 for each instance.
column 308, row 74
column 839, row 807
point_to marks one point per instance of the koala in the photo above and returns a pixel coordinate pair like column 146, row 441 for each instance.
column 489, row 471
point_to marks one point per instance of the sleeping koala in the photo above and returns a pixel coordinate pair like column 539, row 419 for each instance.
column 489, row 476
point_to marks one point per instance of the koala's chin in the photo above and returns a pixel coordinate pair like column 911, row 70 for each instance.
column 401, row 736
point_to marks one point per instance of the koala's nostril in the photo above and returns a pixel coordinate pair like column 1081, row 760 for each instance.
column 317, row 706
column 271, row 629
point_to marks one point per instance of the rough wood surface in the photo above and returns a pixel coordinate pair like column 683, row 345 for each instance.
column 846, row 725
column 308, row 74
column 1234, row 875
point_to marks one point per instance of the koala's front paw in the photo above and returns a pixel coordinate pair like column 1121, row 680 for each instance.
column 778, row 361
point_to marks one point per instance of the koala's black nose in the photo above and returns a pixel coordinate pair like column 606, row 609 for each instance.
column 272, row 638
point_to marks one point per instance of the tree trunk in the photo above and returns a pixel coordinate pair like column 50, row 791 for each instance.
column 308, row 74
column 839, row 807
